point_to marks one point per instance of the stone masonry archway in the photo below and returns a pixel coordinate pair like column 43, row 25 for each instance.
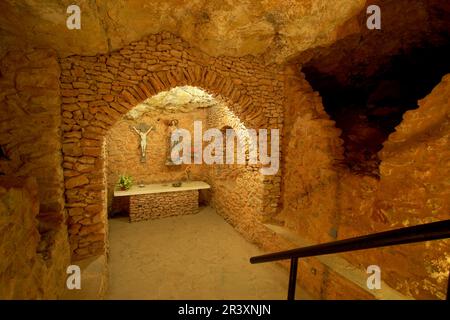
column 97, row 91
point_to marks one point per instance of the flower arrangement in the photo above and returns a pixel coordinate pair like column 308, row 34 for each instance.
column 125, row 182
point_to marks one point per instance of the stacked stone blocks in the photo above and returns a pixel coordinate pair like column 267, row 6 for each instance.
column 162, row 205
column 97, row 91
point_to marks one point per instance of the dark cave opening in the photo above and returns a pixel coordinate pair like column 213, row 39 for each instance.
column 368, row 108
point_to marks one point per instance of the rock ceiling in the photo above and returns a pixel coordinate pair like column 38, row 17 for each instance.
column 276, row 29
column 406, row 25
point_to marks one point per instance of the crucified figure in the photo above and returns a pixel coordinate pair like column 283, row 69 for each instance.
column 143, row 136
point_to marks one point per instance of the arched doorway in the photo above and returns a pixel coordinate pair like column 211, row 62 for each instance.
column 100, row 90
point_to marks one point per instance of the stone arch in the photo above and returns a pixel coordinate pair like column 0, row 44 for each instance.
column 97, row 91
column 220, row 87
column 105, row 117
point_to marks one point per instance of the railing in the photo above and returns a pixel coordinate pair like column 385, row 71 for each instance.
column 425, row 232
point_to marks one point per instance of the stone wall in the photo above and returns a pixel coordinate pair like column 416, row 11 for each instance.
column 30, row 137
column 98, row 91
column 240, row 193
column 123, row 147
column 242, row 183
column 312, row 150
column 28, row 269
column 322, row 200
column 163, row 205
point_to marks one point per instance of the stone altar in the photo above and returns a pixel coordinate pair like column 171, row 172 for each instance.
column 162, row 200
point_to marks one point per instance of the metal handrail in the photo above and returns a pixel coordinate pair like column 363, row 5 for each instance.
column 419, row 233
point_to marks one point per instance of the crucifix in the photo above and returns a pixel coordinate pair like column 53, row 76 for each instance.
column 143, row 131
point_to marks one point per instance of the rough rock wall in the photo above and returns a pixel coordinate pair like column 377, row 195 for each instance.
column 364, row 53
column 27, row 269
column 421, row 141
column 31, row 122
column 412, row 188
column 124, row 150
column 97, row 91
column 30, row 136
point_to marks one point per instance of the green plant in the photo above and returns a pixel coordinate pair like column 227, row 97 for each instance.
column 125, row 182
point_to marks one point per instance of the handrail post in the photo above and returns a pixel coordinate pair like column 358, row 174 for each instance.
column 292, row 278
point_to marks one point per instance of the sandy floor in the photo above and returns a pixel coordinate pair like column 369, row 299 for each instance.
column 188, row 257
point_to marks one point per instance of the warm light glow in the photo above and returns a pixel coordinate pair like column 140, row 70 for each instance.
column 178, row 99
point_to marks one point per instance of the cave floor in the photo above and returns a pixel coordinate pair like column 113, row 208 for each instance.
column 197, row 256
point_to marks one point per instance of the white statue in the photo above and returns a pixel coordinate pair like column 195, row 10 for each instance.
column 143, row 136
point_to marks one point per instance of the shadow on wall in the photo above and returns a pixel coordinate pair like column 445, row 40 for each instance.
column 368, row 108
